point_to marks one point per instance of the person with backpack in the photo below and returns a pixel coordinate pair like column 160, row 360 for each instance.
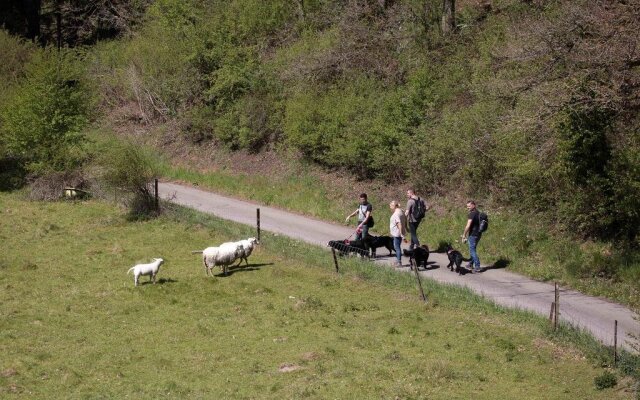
column 415, row 212
column 477, row 222
column 365, row 219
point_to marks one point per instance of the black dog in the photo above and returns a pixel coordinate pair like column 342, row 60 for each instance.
column 373, row 242
column 420, row 255
column 455, row 258
column 349, row 246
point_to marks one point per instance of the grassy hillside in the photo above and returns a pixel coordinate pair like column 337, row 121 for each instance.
column 287, row 326
column 531, row 107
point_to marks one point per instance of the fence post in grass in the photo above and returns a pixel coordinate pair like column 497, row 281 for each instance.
column 556, row 310
column 553, row 306
column 414, row 266
column 258, row 222
column 157, row 203
column 615, row 344
column 335, row 259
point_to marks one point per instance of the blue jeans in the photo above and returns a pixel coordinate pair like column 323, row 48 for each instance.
column 473, row 243
column 413, row 228
column 364, row 233
column 396, row 245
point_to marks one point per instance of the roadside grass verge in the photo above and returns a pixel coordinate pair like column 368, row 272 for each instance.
column 286, row 326
column 514, row 241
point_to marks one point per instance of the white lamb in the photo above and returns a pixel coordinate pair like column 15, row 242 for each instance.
column 223, row 255
column 150, row 269
column 247, row 248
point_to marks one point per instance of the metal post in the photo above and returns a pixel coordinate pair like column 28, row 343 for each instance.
column 335, row 259
column 615, row 344
column 258, row 222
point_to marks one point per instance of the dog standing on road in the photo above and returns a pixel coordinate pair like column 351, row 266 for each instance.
column 373, row 242
column 419, row 254
column 455, row 258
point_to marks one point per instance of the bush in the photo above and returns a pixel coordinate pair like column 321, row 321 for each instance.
column 605, row 381
column 43, row 118
column 130, row 171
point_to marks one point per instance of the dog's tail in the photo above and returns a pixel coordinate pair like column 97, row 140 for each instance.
column 466, row 259
column 130, row 269
column 196, row 251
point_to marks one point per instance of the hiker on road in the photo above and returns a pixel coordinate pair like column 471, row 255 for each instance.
column 416, row 209
column 472, row 235
column 397, row 229
column 365, row 219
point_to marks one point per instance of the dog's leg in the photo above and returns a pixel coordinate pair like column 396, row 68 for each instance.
column 153, row 277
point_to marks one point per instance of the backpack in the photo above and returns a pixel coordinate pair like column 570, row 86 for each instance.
column 370, row 221
column 419, row 209
column 484, row 221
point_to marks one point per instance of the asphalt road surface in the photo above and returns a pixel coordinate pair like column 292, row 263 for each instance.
column 503, row 287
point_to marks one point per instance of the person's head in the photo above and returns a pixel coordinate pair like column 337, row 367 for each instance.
column 471, row 205
column 393, row 205
column 411, row 192
column 363, row 198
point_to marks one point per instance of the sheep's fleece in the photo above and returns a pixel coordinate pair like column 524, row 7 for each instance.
column 150, row 269
column 223, row 255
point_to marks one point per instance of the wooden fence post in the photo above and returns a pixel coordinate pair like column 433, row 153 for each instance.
column 157, row 203
column 414, row 265
column 553, row 307
column 615, row 344
column 335, row 259
column 556, row 307
column 258, row 222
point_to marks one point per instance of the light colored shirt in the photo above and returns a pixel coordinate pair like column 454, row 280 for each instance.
column 397, row 224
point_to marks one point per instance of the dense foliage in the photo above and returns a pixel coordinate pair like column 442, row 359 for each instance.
column 44, row 113
column 532, row 104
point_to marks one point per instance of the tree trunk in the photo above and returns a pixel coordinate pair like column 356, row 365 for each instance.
column 448, row 16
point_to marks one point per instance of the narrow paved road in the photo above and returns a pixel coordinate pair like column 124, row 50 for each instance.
column 504, row 287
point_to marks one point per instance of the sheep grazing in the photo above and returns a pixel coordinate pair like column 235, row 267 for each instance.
column 247, row 248
column 150, row 269
column 223, row 256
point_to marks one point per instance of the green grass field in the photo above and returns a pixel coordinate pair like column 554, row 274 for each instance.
column 73, row 326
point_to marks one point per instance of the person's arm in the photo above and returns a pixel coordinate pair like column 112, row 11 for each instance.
column 467, row 228
column 352, row 214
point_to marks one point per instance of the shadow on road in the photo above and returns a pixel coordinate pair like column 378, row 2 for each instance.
column 499, row 264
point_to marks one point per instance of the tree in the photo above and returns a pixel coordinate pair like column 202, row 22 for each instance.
column 42, row 120
column 448, row 16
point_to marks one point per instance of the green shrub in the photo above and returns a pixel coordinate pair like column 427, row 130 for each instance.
column 605, row 381
column 129, row 170
column 43, row 118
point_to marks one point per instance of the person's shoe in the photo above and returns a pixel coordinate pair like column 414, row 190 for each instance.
column 476, row 270
column 396, row 264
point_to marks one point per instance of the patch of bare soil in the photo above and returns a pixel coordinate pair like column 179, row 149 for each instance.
column 289, row 367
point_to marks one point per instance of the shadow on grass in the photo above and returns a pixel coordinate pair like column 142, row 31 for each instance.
column 239, row 268
column 160, row 281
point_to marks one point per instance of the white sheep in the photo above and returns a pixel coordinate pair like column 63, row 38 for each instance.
column 223, row 255
column 150, row 269
column 247, row 248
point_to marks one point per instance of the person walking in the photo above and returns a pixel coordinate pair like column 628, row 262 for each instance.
column 416, row 209
column 472, row 235
column 365, row 219
column 397, row 229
